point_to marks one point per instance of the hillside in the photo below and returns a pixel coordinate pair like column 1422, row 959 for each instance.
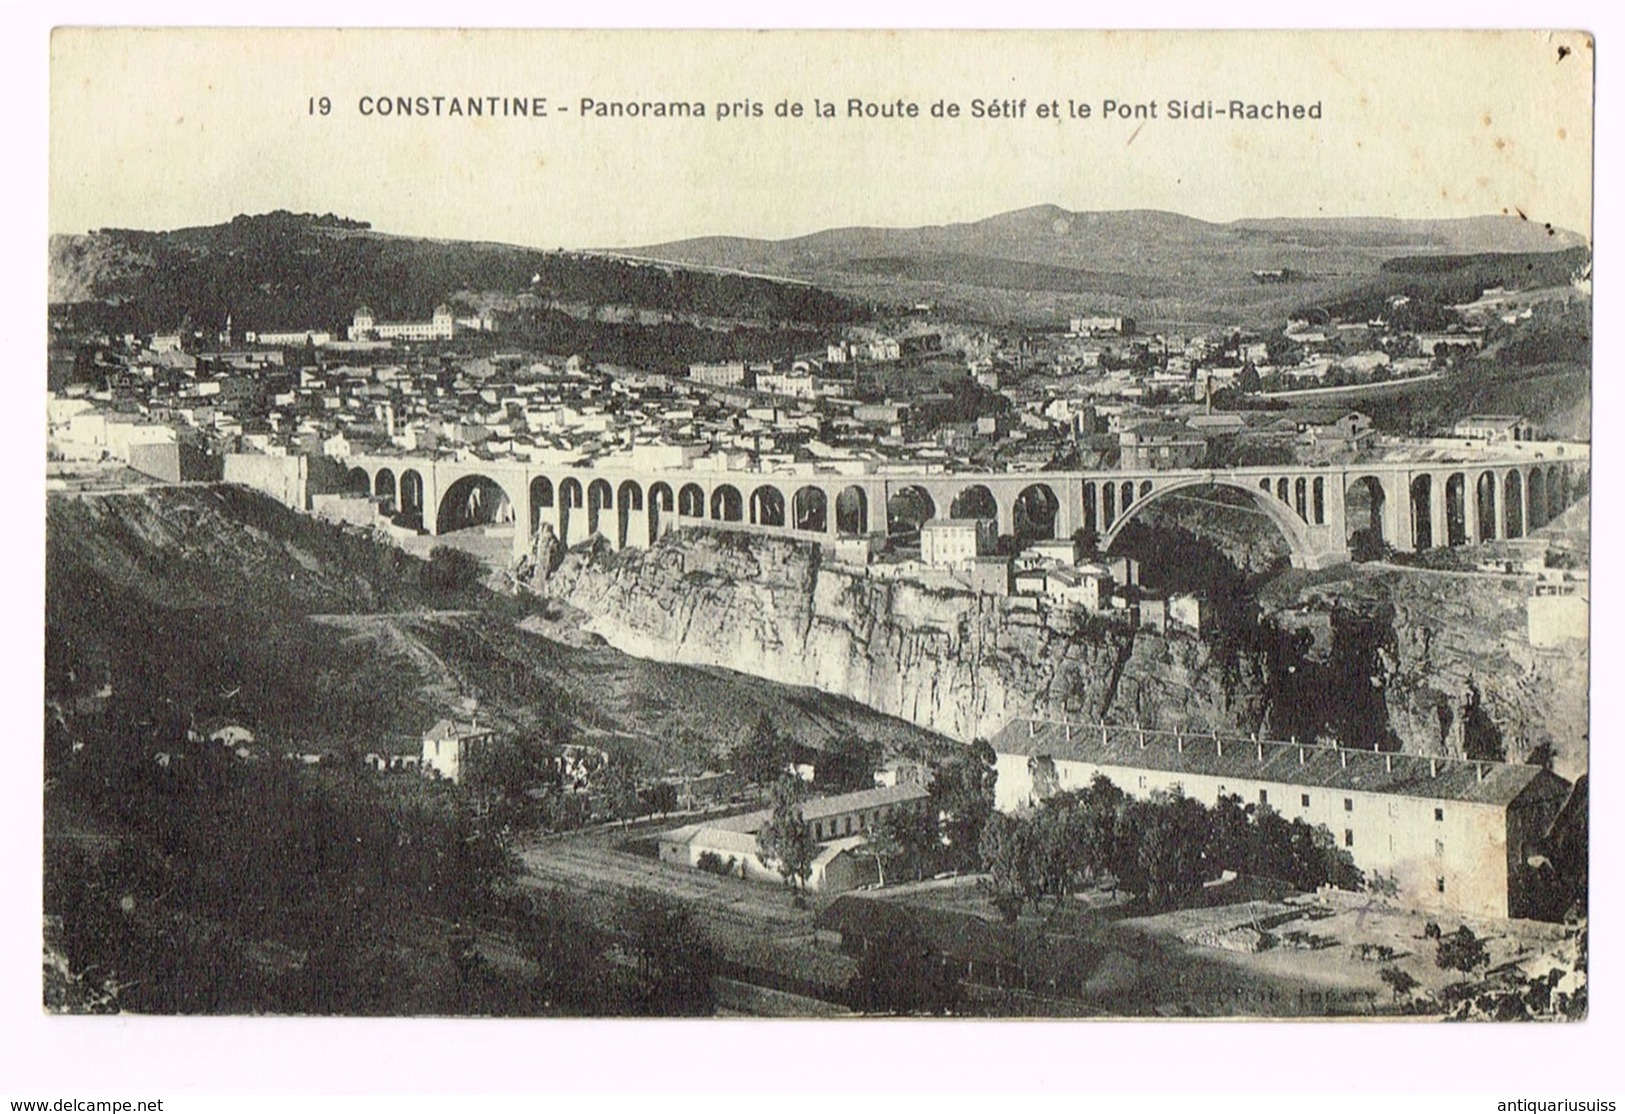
column 1046, row 261
column 286, row 270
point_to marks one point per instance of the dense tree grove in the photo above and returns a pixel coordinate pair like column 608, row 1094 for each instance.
column 904, row 974
column 1161, row 848
column 323, row 870
column 762, row 755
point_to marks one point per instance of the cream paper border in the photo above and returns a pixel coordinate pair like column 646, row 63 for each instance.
column 227, row 1057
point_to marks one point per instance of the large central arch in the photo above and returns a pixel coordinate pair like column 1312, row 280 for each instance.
column 1292, row 528
column 475, row 500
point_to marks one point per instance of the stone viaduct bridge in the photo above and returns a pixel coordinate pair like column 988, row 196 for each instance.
column 1492, row 492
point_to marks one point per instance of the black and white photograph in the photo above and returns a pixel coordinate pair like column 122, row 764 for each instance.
column 818, row 525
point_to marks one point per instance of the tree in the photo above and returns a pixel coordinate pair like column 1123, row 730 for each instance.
column 676, row 963
column 763, row 754
column 1399, row 981
column 1461, row 950
column 1480, row 737
column 908, row 839
column 1234, row 836
column 1087, row 539
column 1174, row 833
column 503, row 766
column 962, row 792
column 1098, row 807
column 619, row 783
column 452, row 570
column 784, row 842
column 1057, row 835
column 569, row 953
column 901, row 973
column 1007, row 856
column 848, row 763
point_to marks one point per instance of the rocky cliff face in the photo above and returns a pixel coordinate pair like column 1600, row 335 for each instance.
column 1456, row 669
column 953, row 662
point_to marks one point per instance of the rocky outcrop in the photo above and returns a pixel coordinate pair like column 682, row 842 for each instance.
column 950, row 661
column 1456, row 670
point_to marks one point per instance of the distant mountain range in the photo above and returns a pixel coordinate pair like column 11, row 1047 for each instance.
column 284, row 270
column 1046, row 261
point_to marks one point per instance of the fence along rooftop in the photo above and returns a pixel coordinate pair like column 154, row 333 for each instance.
column 1286, row 763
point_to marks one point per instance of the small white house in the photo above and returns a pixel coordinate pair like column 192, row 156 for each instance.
column 446, row 746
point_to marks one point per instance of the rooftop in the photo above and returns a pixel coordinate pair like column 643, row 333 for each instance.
column 1289, row 763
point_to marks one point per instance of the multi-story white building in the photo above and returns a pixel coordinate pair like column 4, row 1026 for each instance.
column 719, row 375
column 442, row 325
column 954, row 541
column 1454, row 834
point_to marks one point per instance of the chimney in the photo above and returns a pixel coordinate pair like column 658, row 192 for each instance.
column 1344, row 755
column 1481, row 771
column 1433, row 767
column 1032, row 728
column 1388, row 762
column 1300, row 756
column 1179, row 741
column 1069, row 731
column 1141, row 732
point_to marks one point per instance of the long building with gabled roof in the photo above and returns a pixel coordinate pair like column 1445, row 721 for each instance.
column 1456, row 834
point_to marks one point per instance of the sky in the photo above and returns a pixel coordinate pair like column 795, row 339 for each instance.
column 171, row 128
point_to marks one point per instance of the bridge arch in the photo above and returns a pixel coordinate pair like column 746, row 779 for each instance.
column 571, row 498
column 358, row 482
column 1486, row 495
column 767, row 506
column 411, row 487
column 1455, row 509
column 908, row 509
column 1512, row 499
column 1422, row 528
column 541, row 498
column 852, row 512
column 1036, row 513
column 661, row 505
column 691, row 501
column 975, row 501
column 628, row 502
column 1292, row 528
column 383, row 486
column 727, row 505
column 1537, row 498
column 810, row 510
column 1365, row 503
column 473, row 500
column 600, row 498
